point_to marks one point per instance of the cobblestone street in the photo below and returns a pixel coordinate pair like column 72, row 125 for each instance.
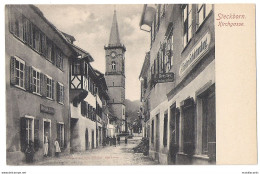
column 110, row 155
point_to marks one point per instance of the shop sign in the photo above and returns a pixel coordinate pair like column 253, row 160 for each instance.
column 164, row 77
column 198, row 50
column 47, row 109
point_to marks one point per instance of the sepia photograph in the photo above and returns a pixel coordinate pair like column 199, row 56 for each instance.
column 133, row 85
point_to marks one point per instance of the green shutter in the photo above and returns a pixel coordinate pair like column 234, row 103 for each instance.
column 13, row 71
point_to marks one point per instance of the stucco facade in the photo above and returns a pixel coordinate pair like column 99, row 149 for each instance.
column 44, row 114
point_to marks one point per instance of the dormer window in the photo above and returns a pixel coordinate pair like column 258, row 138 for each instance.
column 113, row 65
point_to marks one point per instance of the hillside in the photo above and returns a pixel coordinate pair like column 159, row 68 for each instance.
column 131, row 109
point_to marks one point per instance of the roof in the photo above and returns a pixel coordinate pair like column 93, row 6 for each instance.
column 114, row 38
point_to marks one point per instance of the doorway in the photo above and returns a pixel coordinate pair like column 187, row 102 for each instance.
column 93, row 139
column 86, row 139
column 47, row 132
column 157, row 137
column 174, row 133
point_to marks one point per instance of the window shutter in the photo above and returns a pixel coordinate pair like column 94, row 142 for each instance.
column 87, row 109
column 13, row 71
column 53, row 53
column 42, row 84
column 58, row 92
column 52, row 88
column 36, row 134
column 30, row 81
column 11, row 19
column 23, row 142
column 27, row 78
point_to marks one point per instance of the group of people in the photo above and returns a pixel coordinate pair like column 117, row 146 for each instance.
column 29, row 151
column 115, row 140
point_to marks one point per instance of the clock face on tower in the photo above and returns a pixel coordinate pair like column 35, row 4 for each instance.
column 113, row 54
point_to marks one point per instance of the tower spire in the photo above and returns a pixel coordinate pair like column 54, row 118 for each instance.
column 114, row 38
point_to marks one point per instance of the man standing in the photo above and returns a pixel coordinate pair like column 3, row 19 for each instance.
column 46, row 145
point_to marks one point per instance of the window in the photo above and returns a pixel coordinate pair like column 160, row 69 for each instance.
column 209, row 122
column 169, row 52
column 152, row 139
column 60, row 93
column 31, row 35
column 60, row 134
column 202, row 12
column 188, row 110
column 35, row 81
column 27, row 131
column 50, row 88
column 17, row 72
column 113, row 65
column 76, row 67
column 187, row 24
column 59, row 59
column 165, row 128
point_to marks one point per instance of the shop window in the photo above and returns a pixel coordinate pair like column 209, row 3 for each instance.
column 187, row 24
column 209, row 123
column 60, row 134
column 203, row 11
column 165, row 128
column 27, row 131
column 188, row 111
column 36, row 81
column 60, row 93
column 17, row 72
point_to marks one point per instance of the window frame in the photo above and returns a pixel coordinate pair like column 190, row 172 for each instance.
column 187, row 19
column 51, row 90
column 61, row 134
column 17, row 59
column 27, row 117
column 60, row 99
column 37, row 80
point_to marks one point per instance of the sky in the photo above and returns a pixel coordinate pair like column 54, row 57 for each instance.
column 91, row 25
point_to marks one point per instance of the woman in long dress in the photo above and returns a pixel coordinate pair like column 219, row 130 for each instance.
column 57, row 148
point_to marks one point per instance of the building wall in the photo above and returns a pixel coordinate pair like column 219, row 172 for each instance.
column 78, row 131
column 21, row 102
column 197, row 77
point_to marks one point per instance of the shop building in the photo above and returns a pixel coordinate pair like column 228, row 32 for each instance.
column 37, row 84
column 181, row 79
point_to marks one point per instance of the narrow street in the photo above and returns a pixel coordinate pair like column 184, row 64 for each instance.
column 110, row 155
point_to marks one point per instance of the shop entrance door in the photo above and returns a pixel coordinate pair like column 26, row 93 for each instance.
column 47, row 133
column 174, row 133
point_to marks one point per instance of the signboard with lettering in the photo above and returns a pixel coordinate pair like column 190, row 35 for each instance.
column 198, row 50
column 47, row 109
column 164, row 77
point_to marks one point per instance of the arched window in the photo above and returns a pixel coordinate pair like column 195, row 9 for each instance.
column 113, row 65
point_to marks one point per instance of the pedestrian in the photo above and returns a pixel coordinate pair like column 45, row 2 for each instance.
column 29, row 152
column 57, row 148
column 114, row 140
column 118, row 140
column 46, row 145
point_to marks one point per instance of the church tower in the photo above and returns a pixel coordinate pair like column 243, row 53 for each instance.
column 115, row 75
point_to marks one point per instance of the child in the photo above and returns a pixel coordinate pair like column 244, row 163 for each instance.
column 57, row 148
